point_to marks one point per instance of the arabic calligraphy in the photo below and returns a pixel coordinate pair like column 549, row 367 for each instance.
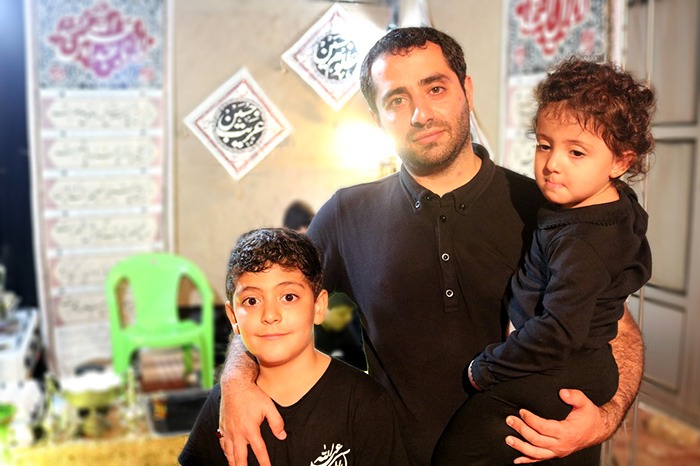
column 103, row 231
column 335, row 57
column 548, row 22
column 80, row 307
column 240, row 125
column 333, row 456
column 101, row 39
column 87, row 113
column 105, row 193
column 68, row 153
column 90, row 270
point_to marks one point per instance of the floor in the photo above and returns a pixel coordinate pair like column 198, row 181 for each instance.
column 661, row 441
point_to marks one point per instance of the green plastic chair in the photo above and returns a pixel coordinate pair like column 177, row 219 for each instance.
column 154, row 280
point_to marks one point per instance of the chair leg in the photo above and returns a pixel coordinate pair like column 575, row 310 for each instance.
column 187, row 359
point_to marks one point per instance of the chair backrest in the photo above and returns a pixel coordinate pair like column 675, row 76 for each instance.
column 154, row 280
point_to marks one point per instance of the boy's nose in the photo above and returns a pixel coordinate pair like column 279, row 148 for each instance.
column 271, row 314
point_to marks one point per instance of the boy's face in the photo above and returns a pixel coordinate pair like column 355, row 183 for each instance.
column 275, row 311
column 573, row 166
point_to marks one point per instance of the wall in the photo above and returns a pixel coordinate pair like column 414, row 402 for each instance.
column 213, row 40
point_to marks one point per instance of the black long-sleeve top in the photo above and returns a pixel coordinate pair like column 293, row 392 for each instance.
column 569, row 294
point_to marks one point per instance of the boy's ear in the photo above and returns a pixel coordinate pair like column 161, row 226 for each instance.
column 622, row 163
column 232, row 318
column 320, row 307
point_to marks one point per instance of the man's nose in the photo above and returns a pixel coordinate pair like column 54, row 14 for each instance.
column 422, row 112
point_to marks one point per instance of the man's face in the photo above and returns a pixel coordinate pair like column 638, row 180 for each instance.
column 422, row 106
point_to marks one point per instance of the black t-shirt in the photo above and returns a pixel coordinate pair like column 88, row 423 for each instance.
column 428, row 274
column 345, row 419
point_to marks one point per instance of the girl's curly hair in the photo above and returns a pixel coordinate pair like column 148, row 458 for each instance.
column 605, row 100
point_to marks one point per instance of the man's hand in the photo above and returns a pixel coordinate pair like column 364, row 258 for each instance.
column 545, row 439
column 240, row 414
column 243, row 407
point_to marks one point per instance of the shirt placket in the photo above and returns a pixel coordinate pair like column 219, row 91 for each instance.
column 445, row 219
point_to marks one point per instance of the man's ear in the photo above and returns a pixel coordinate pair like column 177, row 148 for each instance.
column 320, row 307
column 469, row 91
column 622, row 163
column 232, row 318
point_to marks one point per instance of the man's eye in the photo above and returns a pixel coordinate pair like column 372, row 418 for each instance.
column 395, row 102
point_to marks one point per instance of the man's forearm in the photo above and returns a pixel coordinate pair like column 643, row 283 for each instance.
column 628, row 350
column 239, row 365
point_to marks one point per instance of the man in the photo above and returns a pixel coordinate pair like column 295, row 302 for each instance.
column 427, row 254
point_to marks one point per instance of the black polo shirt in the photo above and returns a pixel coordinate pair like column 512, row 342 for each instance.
column 428, row 274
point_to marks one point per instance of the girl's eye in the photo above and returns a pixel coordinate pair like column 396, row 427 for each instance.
column 577, row 153
column 542, row 146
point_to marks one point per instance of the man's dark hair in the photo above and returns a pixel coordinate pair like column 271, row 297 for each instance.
column 298, row 214
column 401, row 41
column 258, row 250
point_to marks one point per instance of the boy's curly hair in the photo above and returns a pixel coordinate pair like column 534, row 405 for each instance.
column 260, row 249
column 605, row 100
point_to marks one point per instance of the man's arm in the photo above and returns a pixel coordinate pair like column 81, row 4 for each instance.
column 586, row 425
column 244, row 407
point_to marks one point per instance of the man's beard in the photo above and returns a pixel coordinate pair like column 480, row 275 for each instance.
column 435, row 157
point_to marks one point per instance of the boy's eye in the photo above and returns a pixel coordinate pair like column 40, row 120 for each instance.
column 577, row 153
column 289, row 297
column 542, row 146
column 251, row 301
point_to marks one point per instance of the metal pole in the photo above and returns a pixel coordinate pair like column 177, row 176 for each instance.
column 649, row 55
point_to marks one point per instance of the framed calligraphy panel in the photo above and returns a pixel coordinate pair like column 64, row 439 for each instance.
column 238, row 124
column 98, row 88
column 329, row 55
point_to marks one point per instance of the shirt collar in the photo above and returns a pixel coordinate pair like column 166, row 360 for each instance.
column 463, row 197
column 610, row 213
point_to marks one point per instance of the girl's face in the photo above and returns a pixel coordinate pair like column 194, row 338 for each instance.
column 573, row 166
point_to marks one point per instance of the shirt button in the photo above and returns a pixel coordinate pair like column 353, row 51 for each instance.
column 417, row 205
column 428, row 197
column 443, row 218
column 445, row 257
column 462, row 207
column 449, row 293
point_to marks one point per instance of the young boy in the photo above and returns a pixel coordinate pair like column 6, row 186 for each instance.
column 333, row 414
column 589, row 253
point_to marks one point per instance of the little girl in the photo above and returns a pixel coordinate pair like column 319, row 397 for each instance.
column 589, row 252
